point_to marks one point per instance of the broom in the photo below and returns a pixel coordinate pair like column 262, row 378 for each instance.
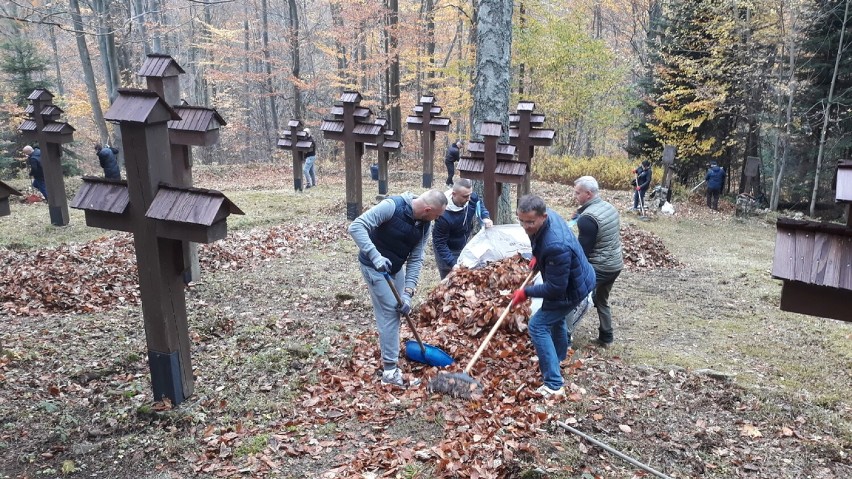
column 463, row 385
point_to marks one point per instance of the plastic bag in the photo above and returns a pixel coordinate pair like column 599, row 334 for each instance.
column 667, row 208
column 495, row 243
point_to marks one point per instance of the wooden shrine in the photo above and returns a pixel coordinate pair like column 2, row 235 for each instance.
column 492, row 163
column 814, row 260
column 50, row 134
column 298, row 142
column 351, row 124
column 426, row 121
column 161, row 216
column 5, row 192
column 525, row 133
column 383, row 150
column 197, row 126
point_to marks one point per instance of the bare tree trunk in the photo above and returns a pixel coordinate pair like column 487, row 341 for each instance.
column 521, row 68
column 60, row 88
column 827, row 112
column 160, row 22
column 106, row 45
column 270, row 89
column 139, row 17
column 294, row 56
column 88, row 72
column 492, row 78
column 337, row 21
column 393, row 89
column 429, row 11
column 247, row 103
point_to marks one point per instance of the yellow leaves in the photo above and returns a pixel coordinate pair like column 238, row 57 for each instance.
column 750, row 430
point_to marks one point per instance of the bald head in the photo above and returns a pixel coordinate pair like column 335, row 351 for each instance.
column 429, row 206
column 27, row 150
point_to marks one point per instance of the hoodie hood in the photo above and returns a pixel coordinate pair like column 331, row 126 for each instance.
column 452, row 206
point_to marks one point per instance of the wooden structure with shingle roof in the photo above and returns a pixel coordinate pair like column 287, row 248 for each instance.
column 383, row 151
column 525, row 133
column 5, row 192
column 50, row 134
column 295, row 139
column 492, row 163
column 351, row 124
column 814, row 259
column 427, row 122
column 162, row 217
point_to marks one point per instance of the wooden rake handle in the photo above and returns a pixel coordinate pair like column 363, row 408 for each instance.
column 495, row 327
column 407, row 318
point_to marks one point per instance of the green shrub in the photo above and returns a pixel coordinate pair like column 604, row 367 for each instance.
column 611, row 173
column 9, row 167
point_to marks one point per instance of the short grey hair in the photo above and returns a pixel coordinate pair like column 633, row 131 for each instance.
column 462, row 183
column 532, row 203
column 588, row 183
column 434, row 198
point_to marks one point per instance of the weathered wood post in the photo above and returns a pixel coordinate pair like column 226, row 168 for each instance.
column 296, row 140
column 351, row 125
column 426, row 121
column 751, row 173
column 50, row 135
column 5, row 192
column 492, row 163
column 383, row 151
column 198, row 126
column 525, row 134
column 161, row 217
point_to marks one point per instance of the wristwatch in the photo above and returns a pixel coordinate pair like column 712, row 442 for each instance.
column 410, row 291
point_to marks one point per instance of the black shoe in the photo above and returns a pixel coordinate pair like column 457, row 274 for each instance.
column 602, row 344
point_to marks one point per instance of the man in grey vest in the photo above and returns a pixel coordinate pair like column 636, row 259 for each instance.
column 599, row 228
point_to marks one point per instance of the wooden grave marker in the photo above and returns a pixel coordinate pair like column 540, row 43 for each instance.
column 5, row 192
column 383, row 151
column 296, row 140
column 161, row 217
column 426, row 121
column 525, row 134
column 351, row 124
column 492, row 163
column 198, row 126
column 50, row 134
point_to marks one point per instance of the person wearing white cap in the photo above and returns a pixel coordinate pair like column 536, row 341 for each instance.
column 310, row 158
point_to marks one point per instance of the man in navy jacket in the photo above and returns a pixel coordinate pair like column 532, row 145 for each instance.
column 452, row 229
column 715, row 182
column 568, row 280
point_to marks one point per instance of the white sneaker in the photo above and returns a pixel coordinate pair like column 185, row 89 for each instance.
column 394, row 378
column 547, row 392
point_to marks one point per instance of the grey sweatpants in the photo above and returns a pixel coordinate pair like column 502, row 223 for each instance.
column 384, row 309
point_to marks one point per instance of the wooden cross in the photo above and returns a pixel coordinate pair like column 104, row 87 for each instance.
column 5, row 192
column 492, row 163
column 161, row 217
column 296, row 140
column 383, row 151
column 351, row 125
column 425, row 121
column 50, row 134
column 525, row 134
column 198, row 126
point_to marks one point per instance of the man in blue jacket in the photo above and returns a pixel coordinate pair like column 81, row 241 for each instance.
column 643, row 182
column 715, row 182
column 36, row 171
column 450, row 159
column 568, row 280
column 106, row 157
column 452, row 229
column 391, row 237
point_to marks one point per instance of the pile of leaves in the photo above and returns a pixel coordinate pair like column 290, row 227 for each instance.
column 645, row 250
column 471, row 300
column 101, row 274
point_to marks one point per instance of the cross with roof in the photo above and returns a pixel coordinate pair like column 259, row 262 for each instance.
column 198, row 126
column 299, row 143
column 44, row 128
column 383, row 151
column 492, row 163
column 351, row 124
column 426, row 121
column 161, row 216
column 525, row 134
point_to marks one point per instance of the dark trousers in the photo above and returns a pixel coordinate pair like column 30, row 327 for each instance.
column 713, row 199
column 636, row 198
column 451, row 171
column 41, row 186
column 603, row 286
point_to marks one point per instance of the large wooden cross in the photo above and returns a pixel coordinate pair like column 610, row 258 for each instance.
column 198, row 126
column 351, row 124
column 5, row 192
column 161, row 217
column 426, row 121
column 525, row 134
column 492, row 163
column 296, row 140
column 383, row 151
column 50, row 135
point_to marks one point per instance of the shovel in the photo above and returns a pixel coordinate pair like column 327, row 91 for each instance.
column 419, row 351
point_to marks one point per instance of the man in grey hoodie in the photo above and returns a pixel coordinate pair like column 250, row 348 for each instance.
column 391, row 237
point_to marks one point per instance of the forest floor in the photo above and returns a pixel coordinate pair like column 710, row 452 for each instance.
column 707, row 377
